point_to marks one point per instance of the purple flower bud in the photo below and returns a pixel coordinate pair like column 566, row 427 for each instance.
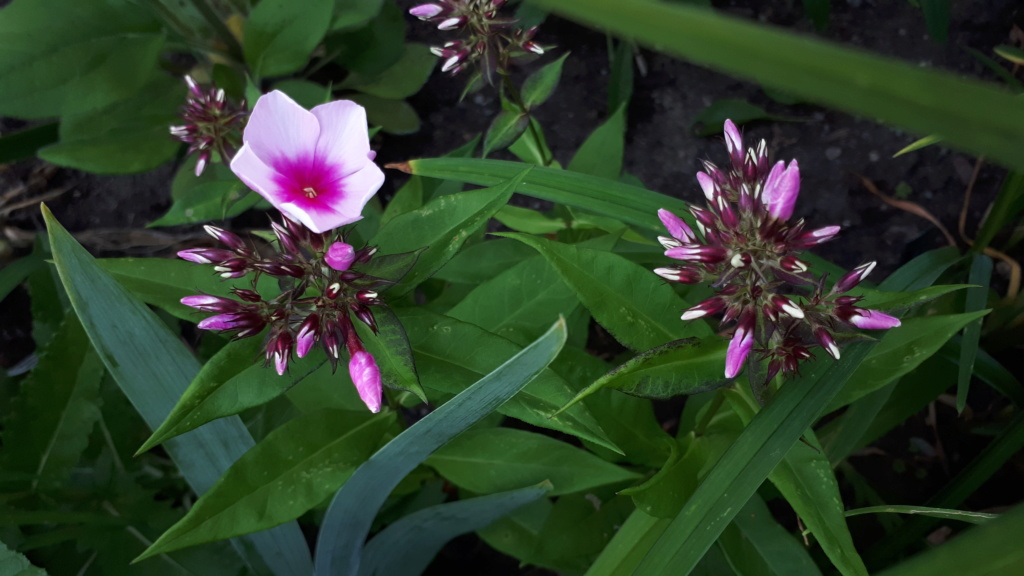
column 783, row 304
column 681, row 274
column 814, row 237
column 426, row 11
column 307, row 335
column 708, row 307
column 366, row 377
column 740, row 260
column 229, row 239
column 234, row 267
column 676, row 226
column 367, row 297
column 853, row 278
column 365, row 315
column 208, row 303
column 205, row 255
column 340, row 256
column 707, row 184
column 333, row 291
column 703, row 217
column 668, row 242
column 793, row 264
column 452, row 23
column 229, row 321
column 697, row 253
column 781, row 189
column 288, row 242
column 740, row 345
column 247, row 295
column 826, row 341
column 734, row 143
column 533, row 47
column 866, row 319
column 279, row 349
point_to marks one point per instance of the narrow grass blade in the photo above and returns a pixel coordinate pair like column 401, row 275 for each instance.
column 977, row 298
column 153, row 368
column 945, row 513
column 354, row 507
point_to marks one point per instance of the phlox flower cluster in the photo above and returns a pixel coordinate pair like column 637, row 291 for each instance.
column 316, row 168
column 212, row 124
column 490, row 41
column 747, row 249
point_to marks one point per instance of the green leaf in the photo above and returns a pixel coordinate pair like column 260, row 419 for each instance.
column 678, row 368
column 92, row 55
column 748, row 461
column 884, row 300
column 216, row 194
column 944, row 513
column 620, row 77
column 499, row 459
column 441, row 226
column 977, row 298
column 529, row 221
column 1007, row 206
column 601, row 153
column 579, row 527
column 24, row 143
column 629, row 204
column 805, row 478
column 505, row 129
column 403, row 79
column 780, row 551
column 371, row 49
column 291, row 471
column 1011, row 53
column 918, row 145
column 406, row 547
column 14, row 564
column 14, row 273
column 540, row 85
column 970, row 115
column 393, row 116
column 280, row 35
column 991, row 549
column 152, row 367
column 900, row 351
column 164, row 282
column 515, row 303
column 349, row 14
column 445, row 365
column 532, row 147
column 631, row 302
column 127, row 136
column 629, row 545
column 480, row 262
column 390, row 347
column 351, row 513
column 56, row 410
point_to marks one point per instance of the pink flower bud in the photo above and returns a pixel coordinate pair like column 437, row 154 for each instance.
column 247, row 295
column 793, row 264
column 208, row 303
column 279, row 350
column 285, row 238
column 229, row 239
column 740, row 345
column 781, row 189
column 333, row 291
column 676, row 226
column 365, row 315
column 697, row 253
column 307, row 335
column 681, row 274
column 205, row 255
column 826, row 341
column 707, row 184
column 814, row 237
column 866, row 319
column 734, row 143
column 708, row 307
column 853, row 278
column 426, row 11
column 452, row 23
column 366, row 377
column 340, row 256
column 783, row 304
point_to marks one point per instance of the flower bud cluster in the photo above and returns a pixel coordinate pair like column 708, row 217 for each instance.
column 321, row 295
column 748, row 251
column 490, row 42
column 212, row 123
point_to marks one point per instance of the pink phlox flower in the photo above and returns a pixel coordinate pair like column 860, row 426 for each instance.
column 366, row 377
column 314, row 166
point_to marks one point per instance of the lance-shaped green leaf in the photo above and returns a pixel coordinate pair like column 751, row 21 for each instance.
column 498, row 459
column 451, row 355
column 540, row 85
column 686, row 366
column 627, row 203
column 780, row 550
column 944, row 513
column 441, row 227
column 882, row 300
column 227, row 384
column 293, row 469
column 900, row 351
column 505, row 129
column 390, row 347
column 1009, row 203
column 977, row 297
column 601, row 153
column 152, row 367
column 806, row 480
column 968, row 114
column 406, row 547
column 52, row 417
column 351, row 513
column 993, row 548
column 631, row 302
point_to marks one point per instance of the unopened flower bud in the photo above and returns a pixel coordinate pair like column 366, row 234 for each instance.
column 340, row 256
column 793, row 264
column 452, row 23
column 426, row 11
column 307, row 334
column 814, row 237
column 288, row 242
column 783, row 304
column 734, row 144
column 681, row 274
column 676, row 226
column 708, row 307
column 826, row 341
column 365, row 315
column 366, row 377
column 247, row 295
column 205, row 255
column 208, row 303
column 866, row 319
column 229, row 239
column 697, row 253
column 741, row 343
column 367, row 297
column 333, row 291
column 279, row 350
column 853, row 278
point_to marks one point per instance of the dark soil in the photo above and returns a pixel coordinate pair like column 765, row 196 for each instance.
column 834, row 150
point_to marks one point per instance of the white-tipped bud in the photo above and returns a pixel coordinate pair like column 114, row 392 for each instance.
column 668, row 242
